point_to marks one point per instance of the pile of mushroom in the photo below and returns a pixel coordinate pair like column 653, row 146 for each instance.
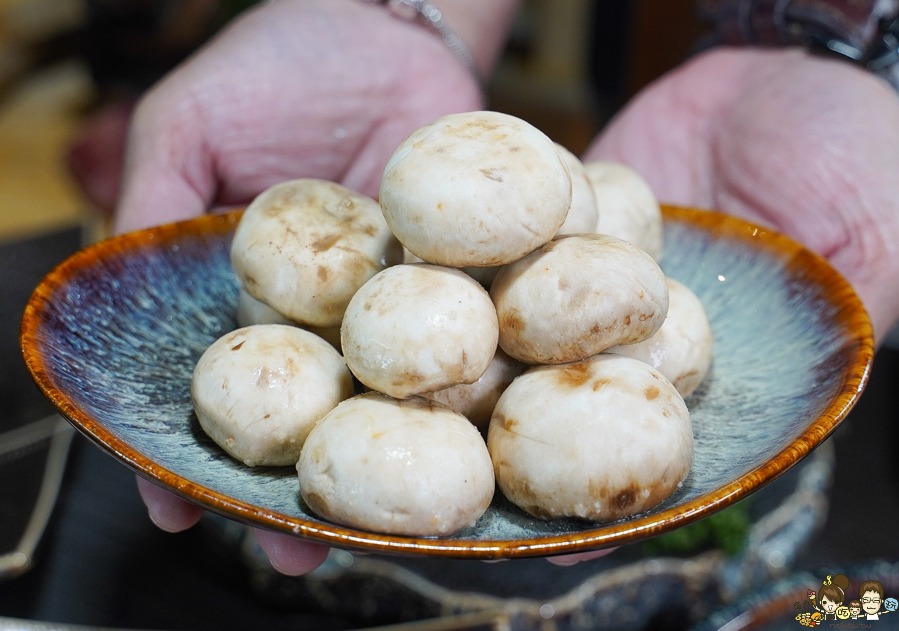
column 573, row 427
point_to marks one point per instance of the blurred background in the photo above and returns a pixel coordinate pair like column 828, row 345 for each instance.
column 70, row 72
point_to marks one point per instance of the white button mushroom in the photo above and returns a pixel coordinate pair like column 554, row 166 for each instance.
column 477, row 189
column 682, row 348
column 258, row 391
column 600, row 439
column 419, row 328
column 305, row 246
column 577, row 296
column 475, row 401
column 251, row 311
column 627, row 206
column 409, row 467
column 583, row 215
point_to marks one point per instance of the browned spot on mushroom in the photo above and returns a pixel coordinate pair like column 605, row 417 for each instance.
column 367, row 306
column 369, row 230
column 574, row 375
column 237, row 348
column 685, row 376
column 514, row 149
column 511, row 322
column 522, row 491
column 646, row 316
column 267, row 416
column 440, row 206
column 492, row 174
column 627, row 497
column 326, row 242
column 318, row 454
column 596, row 489
column 651, row 393
column 475, row 128
column 563, row 285
column 627, row 320
column 323, row 274
column 316, row 502
column 595, row 330
column 538, row 511
column 505, row 423
column 407, row 378
column 249, row 280
column 599, row 383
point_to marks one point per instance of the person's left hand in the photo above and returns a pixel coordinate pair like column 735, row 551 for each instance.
column 807, row 145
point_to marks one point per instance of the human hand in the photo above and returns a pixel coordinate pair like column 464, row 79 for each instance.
column 807, row 145
column 298, row 88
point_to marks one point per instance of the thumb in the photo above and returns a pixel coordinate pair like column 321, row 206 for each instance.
column 168, row 174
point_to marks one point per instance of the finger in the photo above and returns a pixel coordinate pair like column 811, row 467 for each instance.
column 168, row 512
column 168, row 173
column 290, row 555
column 567, row 560
column 97, row 152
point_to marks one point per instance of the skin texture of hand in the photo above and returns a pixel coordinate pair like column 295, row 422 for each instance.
column 311, row 88
column 807, row 145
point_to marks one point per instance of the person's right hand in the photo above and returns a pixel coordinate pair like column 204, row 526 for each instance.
column 298, row 88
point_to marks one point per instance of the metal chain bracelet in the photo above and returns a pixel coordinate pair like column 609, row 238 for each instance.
column 430, row 16
column 863, row 31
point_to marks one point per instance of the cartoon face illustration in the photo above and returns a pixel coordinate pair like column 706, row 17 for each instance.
column 870, row 602
column 827, row 604
column 854, row 611
column 832, row 594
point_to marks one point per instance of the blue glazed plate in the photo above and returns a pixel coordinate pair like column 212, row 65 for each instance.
column 112, row 336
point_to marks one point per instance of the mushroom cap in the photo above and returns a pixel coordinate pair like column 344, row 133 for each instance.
column 305, row 246
column 577, row 296
column 251, row 311
column 627, row 206
column 600, row 439
column 475, row 401
column 477, row 189
column 682, row 349
column 259, row 390
column 583, row 215
column 409, row 467
column 419, row 328
column 484, row 275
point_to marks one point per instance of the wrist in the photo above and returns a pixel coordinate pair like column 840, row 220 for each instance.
column 482, row 25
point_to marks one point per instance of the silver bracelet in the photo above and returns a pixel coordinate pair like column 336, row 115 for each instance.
column 431, row 17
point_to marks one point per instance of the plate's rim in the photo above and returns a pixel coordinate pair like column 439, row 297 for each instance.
column 850, row 314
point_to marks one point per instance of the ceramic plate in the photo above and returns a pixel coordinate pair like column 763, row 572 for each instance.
column 112, row 335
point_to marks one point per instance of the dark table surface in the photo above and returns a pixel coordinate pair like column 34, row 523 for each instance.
column 102, row 562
